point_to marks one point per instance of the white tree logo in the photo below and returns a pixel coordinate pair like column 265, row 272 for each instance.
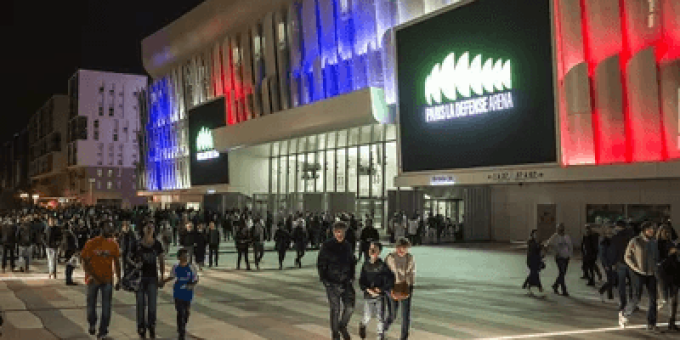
column 463, row 78
column 204, row 140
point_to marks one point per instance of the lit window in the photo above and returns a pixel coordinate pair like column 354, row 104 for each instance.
column 99, row 185
column 109, row 185
column 99, row 172
column 110, row 172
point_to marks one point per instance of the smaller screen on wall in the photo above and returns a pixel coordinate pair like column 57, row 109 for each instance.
column 475, row 87
column 208, row 166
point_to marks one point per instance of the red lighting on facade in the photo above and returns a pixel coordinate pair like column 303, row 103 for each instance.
column 628, row 46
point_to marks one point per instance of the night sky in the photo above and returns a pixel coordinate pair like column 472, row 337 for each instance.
column 45, row 42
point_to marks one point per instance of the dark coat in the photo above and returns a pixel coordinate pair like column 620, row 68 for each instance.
column 335, row 263
column 534, row 255
column 375, row 275
column 282, row 239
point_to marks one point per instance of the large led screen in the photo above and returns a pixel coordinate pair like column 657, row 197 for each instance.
column 476, row 87
column 207, row 165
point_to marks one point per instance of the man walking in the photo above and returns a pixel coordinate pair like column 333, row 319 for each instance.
column 564, row 248
column 100, row 255
column 642, row 257
column 336, row 268
column 52, row 240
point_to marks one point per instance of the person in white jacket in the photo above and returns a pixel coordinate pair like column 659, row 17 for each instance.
column 564, row 249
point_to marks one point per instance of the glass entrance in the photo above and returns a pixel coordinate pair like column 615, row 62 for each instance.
column 449, row 208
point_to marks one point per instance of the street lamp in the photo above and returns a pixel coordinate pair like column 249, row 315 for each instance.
column 91, row 199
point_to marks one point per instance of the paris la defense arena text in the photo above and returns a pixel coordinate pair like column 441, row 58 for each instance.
column 470, row 107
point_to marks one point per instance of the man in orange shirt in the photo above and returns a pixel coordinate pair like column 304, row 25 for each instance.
column 99, row 257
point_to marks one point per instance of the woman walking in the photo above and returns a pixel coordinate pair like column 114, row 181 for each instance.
column 403, row 266
column 534, row 263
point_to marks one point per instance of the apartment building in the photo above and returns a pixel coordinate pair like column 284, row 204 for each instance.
column 101, row 140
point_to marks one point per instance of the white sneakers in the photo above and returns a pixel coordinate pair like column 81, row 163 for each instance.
column 623, row 320
column 660, row 303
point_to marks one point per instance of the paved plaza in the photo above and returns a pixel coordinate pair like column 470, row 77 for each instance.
column 462, row 292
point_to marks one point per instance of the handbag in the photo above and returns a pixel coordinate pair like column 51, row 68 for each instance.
column 401, row 291
column 132, row 280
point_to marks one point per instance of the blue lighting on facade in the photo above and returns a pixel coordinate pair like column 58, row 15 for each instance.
column 162, row 141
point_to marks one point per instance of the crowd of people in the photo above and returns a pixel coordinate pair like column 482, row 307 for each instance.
column 131, row 247
column 633, row 256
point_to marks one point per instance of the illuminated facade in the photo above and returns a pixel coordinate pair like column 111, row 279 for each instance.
column 284, row 55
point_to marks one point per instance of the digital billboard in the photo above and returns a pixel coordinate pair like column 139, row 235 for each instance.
column 208, row 166
column 475, row 86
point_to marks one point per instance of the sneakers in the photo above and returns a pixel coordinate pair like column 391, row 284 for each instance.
column 660, row 303
column 623, row 320
column 142, row 333
column 362, row 331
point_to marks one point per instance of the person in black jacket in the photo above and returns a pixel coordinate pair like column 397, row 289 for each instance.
column 200, row 243
column 623, row 234
column 368, row 235
column 71, row 246
column 126, row 242
column 242, row 239
column 300, row 239
column 213, row 244
column 375, row 279
column 9, row 241
column 336, row 268
column 189, row 240
column 282, row 241
column 52, row 242
column 589, row 249
column 535, row 254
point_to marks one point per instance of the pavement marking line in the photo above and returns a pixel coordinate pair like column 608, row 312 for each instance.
column 567, row 333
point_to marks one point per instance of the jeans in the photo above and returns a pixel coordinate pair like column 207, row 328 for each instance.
column 648, row 281
column 562, row 265
column 213, row 251
column 607, row 287
column 25, row 253
column 147, row 296
column 341, row 298
column 374, row 307
column 183, row 309
column 8, row 251
column 393, row 308
column 106, row 290
column 52, row 260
